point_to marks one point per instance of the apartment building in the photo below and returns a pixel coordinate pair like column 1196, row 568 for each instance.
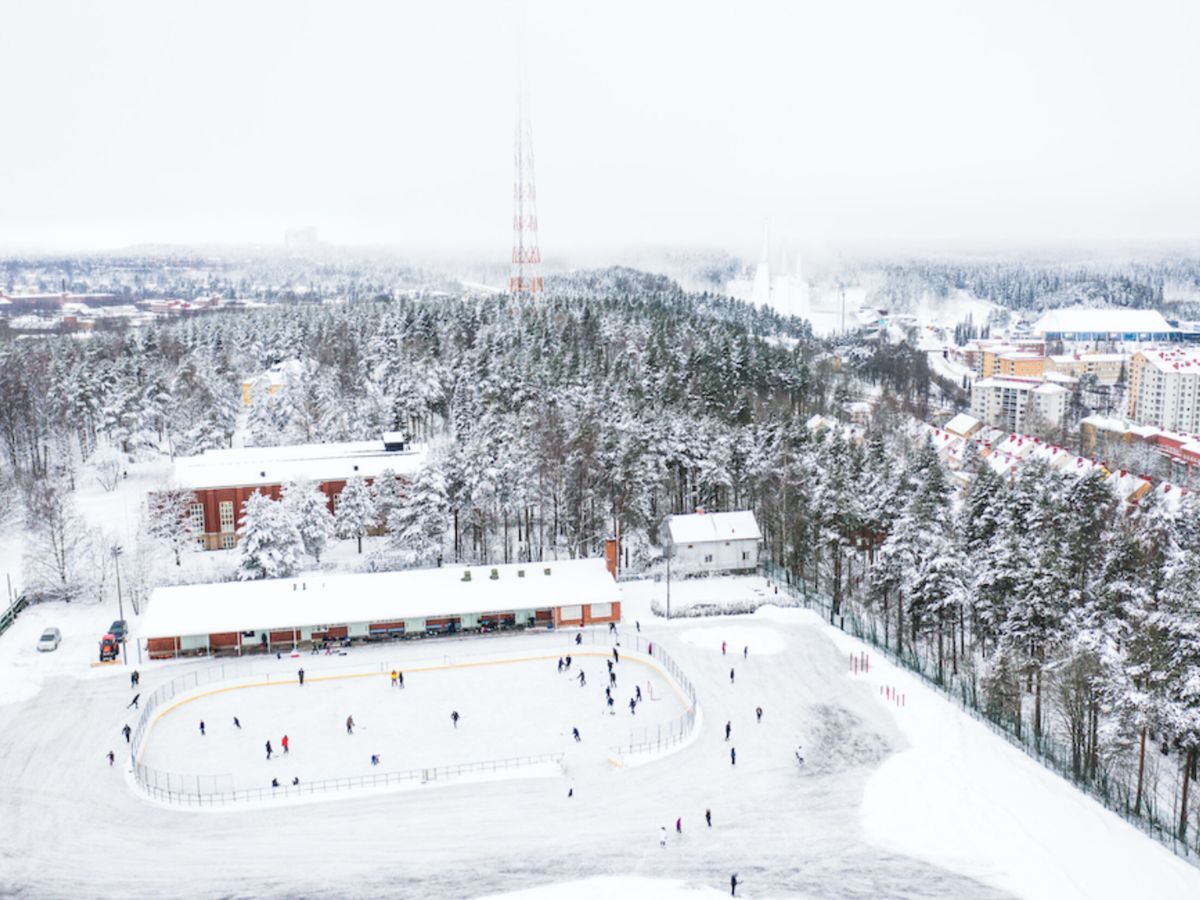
column 1018, row 405
column 1164, row 389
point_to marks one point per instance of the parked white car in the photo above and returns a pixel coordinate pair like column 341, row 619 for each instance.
column 50, row 639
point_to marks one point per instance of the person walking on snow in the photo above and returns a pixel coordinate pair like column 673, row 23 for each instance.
column 733, row 883
column 454, row 718
column 269, row 751
column 722, row 648
column 731, row 676
column 733, row 756
column 111, row 757
column 284, row 743
column 201, row 728
column 637, row 692
column 638, row 624
column 126, row 731
column 746, row 652
column 575, row 733
column 349, row 724
column 301, row 674
column 758, row 712
column 728, row 728
column 237, row 724
column 679, row 825
column 708, row 817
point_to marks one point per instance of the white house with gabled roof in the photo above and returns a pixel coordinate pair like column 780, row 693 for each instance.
column 706, row 542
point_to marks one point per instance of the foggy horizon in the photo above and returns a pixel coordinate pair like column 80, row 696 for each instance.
column 678, row 126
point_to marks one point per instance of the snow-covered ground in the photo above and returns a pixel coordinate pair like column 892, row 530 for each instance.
column 913, row 801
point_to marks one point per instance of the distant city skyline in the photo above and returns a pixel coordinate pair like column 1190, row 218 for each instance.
column 657, row 125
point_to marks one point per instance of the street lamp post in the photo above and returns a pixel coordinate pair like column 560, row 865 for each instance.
column 116, row 555
column 670, row 553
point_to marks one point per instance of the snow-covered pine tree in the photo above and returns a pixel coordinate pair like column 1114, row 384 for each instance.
column 269, row 541
column 169, row 519
column 418, row 526
column 308, row 507
column 355, row 511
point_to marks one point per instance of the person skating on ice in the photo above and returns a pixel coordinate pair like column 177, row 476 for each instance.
column 349, row 724
column 454, row 718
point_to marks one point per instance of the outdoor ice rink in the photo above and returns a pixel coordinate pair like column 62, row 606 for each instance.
column 919, row 801
column 511, row 704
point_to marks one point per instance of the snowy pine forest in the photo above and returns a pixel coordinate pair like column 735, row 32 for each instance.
column 1068, row 620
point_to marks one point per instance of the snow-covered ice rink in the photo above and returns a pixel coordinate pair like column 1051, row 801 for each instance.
column 509, row 706
column 919, row 801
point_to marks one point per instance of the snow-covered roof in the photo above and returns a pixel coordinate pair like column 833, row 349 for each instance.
column 1047, row 388
column 962, row 425
column 1104, row 423
column 297, row 462
column 700, row 527
column 1174, row 360
column 1094, row 320
column 321, row 598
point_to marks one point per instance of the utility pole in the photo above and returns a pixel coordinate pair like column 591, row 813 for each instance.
column 116, row 555
column 525, row 276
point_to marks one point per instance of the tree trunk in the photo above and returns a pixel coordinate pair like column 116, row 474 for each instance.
column 1037, row 708
column 1137, row 800
column 1189, row 761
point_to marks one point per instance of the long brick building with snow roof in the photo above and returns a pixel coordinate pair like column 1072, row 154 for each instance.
column 223, row 479
column 282, row 613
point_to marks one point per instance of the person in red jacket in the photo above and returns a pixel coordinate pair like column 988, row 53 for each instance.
column 284, row 742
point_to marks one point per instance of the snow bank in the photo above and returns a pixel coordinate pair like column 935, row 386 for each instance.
column 606, row 888
column 759, row 641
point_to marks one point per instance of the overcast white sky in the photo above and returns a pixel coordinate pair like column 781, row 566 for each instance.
column 654, row 123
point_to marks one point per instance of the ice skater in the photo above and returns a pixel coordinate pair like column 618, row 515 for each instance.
column 575, row 734
column 349, row 724
column 608, row 692
column 301, row 675
column 733, row 883
column 679, row 825
column 611, row 712
column 662, row 837
column 632, row 707
column 612, row 627
column 454, row 718
column 374, row 759
column 274, row 782
column 134, row 678
column 637, row 692
column 237, row 724
column 758, row 713
column 568, row 663
column 400, row 677
column 722, row 648
column 134, row 701
column 746, row 652
column 733, row 756
column 394, row 678
column 638, row 625
column 295, row 781
column 582, row 678
column 201, row 728
column 612, row 678
column 616, row 655
column 578, row 639
column 284, row 743
column 728, row 729
column 560, row 665
column 708, row 816
column 270, row 751
column 126, row 731
column 799, row 756
column 608, row 662
column 731, row 676
column 111, row 757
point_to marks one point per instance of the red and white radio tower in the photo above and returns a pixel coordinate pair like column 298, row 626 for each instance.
column 526, row 274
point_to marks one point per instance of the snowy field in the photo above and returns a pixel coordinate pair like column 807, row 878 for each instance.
column 509, row 706
column 912, row 801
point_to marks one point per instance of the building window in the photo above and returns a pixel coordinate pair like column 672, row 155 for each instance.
column 745, row 555
column 708, row 558
column 226, row 516
column 228, row 541
column 197, row 518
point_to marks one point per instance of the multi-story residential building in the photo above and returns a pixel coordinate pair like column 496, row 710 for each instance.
column 1164, row 389
column 1018, row 405
column 1106, row 368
